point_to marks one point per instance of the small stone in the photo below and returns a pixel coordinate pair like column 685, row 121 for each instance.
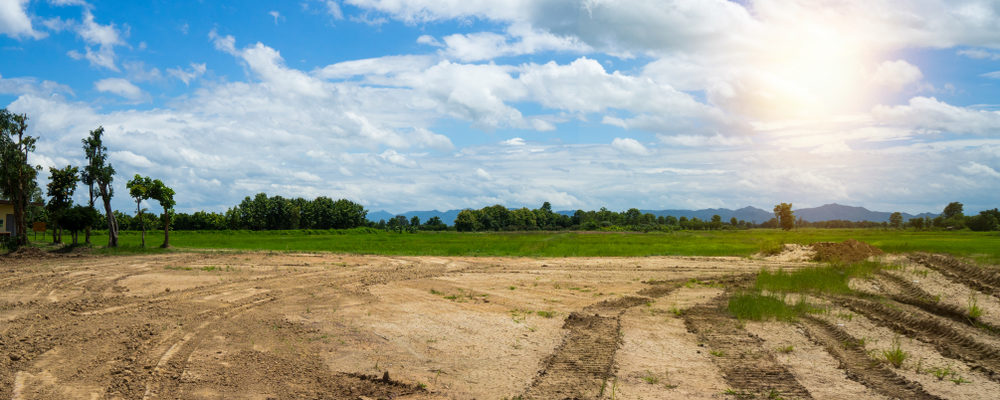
column 14, row 357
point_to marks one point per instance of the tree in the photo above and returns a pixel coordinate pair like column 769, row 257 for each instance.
column 785, row 216
column 896, row 220
column 467, row 221
column 165, row 196
column 415, row 222
column 62, row 185
column 435, row 224
column 17, row 176
column 952, row 210
column 917, row 223
column 988, row 220
column 139, row 188
column 78, row 218
column 716, row 223
column 100, row 172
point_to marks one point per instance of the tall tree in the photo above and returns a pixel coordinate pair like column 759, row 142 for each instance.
column 139, row 188
column 62, row 185
column 785, row 216
column 896, row 220
column 17, row 177
column 101, row 173
column 165, row 196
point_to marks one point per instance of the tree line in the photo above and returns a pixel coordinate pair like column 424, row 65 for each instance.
column 18, row 182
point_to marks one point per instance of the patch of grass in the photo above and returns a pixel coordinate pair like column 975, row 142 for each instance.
column 980, row 246
column 650, row 378
column 760, row 307
column 786, row 349
column 677, row 311
column 436, row 292
column 545, row 314
column 895, row 355
column 512, row 287
column 833, row 278
column 974, row 311
column 717, row 353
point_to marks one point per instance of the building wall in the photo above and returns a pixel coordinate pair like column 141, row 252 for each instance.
column 8, row 223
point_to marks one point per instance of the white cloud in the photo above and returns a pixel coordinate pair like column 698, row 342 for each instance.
column 979, row 54
column 513, row 142
column 929, row 115
column 896, row 75
column 14, row 20
column 104, row 37
column 488, row 45
column 629, row 146
column 429, row 40
column 274, row 14
column 334, row 10
column 121, row 87
column 188, row 75
column 974, row 168
column 992, row 75
column 483, row 174
column 131, row 159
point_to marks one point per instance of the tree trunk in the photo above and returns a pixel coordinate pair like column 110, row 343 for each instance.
column 166, row 233
column 142, row 224
column 112, row 222
column 87, row 237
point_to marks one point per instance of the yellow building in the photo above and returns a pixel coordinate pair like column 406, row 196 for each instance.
column 7, row 217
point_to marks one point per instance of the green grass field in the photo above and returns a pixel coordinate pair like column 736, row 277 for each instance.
column 982, row 246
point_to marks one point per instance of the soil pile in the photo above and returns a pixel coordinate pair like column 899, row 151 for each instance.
column 27, row 252
column 849, row 250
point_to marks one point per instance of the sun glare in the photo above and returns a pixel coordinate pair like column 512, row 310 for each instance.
column 817, row 71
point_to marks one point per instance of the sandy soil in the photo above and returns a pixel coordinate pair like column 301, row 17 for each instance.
column 276, row 325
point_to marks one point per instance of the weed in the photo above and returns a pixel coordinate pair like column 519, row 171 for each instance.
column 941, row 373
column 676, row 311
column 828, row 279
column 650, row 378
column 512, row 287
column 422, row 386
column 895, row 355
column 717, row 353
column 960, row 380
column 451, row 297
column 435, row 292
column 545, row 314
column 758, row 307
column 974, row 310
column 786, row 349
column 774, row 395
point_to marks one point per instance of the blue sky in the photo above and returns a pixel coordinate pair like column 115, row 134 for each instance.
column 414, row 105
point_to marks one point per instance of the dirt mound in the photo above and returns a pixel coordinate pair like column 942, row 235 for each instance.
column 849, row 250
column 27, row 252
column 792, row 252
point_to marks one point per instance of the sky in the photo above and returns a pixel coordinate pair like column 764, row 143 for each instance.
column 444, row 104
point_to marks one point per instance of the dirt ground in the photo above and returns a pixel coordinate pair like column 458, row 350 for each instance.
column 326, row 326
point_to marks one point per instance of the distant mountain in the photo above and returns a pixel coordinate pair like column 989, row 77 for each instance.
column 833, row 211
column 825, row 212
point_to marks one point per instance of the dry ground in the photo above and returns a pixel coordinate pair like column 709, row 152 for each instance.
column 276, row 325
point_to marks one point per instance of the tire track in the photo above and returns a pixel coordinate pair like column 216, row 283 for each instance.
column 908, row 293
column 957, row 271
column 859, row 367
column 944, row 338
column 745, row 365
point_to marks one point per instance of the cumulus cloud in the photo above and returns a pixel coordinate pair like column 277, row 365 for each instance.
column 15, row 22
column 929, row 115
column 188, row 75
column 896, row 75
column 974, row 168
column 629, row 146
column 120, row 87
column 104, row 37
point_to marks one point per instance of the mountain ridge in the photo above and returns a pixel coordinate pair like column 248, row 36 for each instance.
column 826, row 212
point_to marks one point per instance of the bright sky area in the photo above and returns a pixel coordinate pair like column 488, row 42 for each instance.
column 446, row 104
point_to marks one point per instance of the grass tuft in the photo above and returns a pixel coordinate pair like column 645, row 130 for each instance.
column 760, row 307
column 831, row 279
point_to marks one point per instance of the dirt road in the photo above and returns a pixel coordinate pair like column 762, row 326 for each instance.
column 276, row 325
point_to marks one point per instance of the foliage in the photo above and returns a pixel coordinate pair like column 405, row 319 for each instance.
column 77, row 218
column 17, row 176
column 99, row 171
column 785, row 216
column 988, row 220
column 272, row 213
column 896, row 220
column 60, row 189
column 140, row 188
column 165, row 196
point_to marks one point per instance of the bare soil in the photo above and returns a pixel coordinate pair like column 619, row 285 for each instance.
column 328, row 326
